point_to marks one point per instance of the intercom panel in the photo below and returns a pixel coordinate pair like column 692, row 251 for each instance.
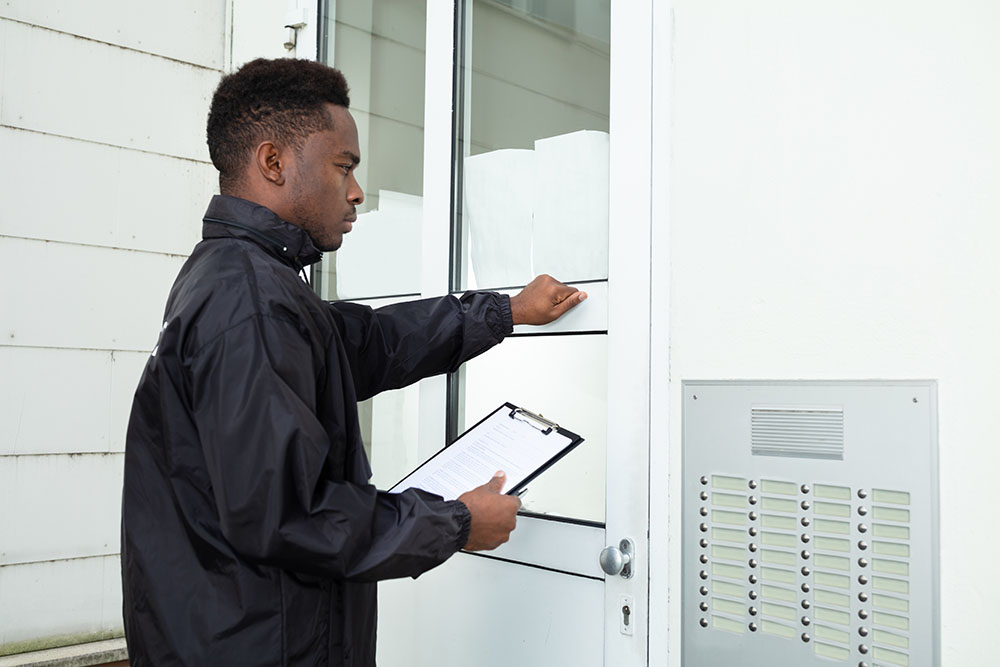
column 810, row 524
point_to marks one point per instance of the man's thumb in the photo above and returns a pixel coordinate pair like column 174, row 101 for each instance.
column 496, row 484
column 573, row 299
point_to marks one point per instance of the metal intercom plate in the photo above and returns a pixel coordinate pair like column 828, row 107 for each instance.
column 810, row 530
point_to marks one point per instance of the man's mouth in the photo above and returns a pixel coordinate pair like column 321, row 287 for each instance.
column 350, row 220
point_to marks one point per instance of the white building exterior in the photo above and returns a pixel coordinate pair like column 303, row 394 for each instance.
column 820, row 190
column 102, row 117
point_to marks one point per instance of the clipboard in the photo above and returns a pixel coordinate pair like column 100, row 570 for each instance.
column 519, row 442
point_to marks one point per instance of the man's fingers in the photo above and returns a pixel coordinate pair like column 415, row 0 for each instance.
column 544, row 300
column 571, row 301
column 496, row 484
column 562, row 292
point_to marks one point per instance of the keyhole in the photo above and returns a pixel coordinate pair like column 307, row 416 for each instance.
column 626, row 612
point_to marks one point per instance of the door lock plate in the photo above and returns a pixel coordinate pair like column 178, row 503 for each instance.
column 627, row 615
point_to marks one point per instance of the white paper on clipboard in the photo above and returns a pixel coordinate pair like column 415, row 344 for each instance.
column 507, row 440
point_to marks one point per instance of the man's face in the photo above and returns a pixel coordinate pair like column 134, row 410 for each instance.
column 324, row 192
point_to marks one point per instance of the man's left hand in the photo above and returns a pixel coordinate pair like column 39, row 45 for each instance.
column 544, row 300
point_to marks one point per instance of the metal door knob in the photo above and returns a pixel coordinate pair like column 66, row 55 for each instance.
column 618, row 560
column 613, row 560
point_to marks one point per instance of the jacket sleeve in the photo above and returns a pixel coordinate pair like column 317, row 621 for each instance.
column 254, row 405
column 399, row 344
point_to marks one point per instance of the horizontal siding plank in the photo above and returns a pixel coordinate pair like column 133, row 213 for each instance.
column 188, row 30
column 72, row 296
column 7, row 475
column 85, row 411
column 111, row 610
column 126, row 369
column 60, row 598
column 138, row 101
column 3, row 60
column 61, row 506
column 109, row 196
column 39, row 415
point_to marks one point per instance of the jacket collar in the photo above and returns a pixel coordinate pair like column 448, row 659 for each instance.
column 232, row 217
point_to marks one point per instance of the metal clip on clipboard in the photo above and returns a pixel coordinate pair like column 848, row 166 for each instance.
column 533, row 420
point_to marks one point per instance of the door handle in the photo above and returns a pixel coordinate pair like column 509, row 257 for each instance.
column 619, row 560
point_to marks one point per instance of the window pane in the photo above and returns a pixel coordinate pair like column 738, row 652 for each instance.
column 565, row 378
column 389, row 424
column 379, row 46
column 533, row 165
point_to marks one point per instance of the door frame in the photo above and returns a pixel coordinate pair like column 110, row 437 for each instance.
column 629, row 313
column 664, row 455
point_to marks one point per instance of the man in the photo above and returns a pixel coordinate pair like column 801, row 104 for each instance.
column 250, row 533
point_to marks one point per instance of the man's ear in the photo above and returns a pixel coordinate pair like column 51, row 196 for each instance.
column 268, row 161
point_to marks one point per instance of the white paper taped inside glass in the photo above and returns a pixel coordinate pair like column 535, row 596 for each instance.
column 520, row 443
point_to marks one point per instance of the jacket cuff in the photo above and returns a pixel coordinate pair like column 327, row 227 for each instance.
column 506, row 317
column 464, row 518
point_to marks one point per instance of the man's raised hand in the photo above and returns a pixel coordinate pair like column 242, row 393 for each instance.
column 544, row 300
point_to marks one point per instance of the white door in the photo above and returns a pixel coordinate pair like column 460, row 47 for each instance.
column 532, row 123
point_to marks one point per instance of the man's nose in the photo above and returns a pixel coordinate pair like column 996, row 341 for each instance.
column 355, row 194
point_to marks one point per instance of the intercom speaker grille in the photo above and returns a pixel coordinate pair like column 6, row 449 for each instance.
column 805, row 432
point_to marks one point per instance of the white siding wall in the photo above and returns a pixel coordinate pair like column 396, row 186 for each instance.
column 106, row 176
column 835, row 199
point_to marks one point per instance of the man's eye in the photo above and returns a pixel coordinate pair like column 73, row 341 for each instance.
column 347, row 168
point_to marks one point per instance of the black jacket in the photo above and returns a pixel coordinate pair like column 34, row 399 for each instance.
column 250, row 533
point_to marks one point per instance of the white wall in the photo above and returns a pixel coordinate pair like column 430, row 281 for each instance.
column 834, row 210
column 106, row 177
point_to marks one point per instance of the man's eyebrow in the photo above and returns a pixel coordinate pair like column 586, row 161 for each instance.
column 356, row 159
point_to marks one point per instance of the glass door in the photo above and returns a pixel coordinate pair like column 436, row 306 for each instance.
column 536, row 134
column 551, row 152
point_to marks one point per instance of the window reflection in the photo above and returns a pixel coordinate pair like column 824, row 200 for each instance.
column 389, row 424
column 379, row 46
column 533, row 170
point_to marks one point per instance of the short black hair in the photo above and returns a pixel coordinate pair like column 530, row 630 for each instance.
column 280, row 100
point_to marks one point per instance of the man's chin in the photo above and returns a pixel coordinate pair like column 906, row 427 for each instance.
column 329, row 244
